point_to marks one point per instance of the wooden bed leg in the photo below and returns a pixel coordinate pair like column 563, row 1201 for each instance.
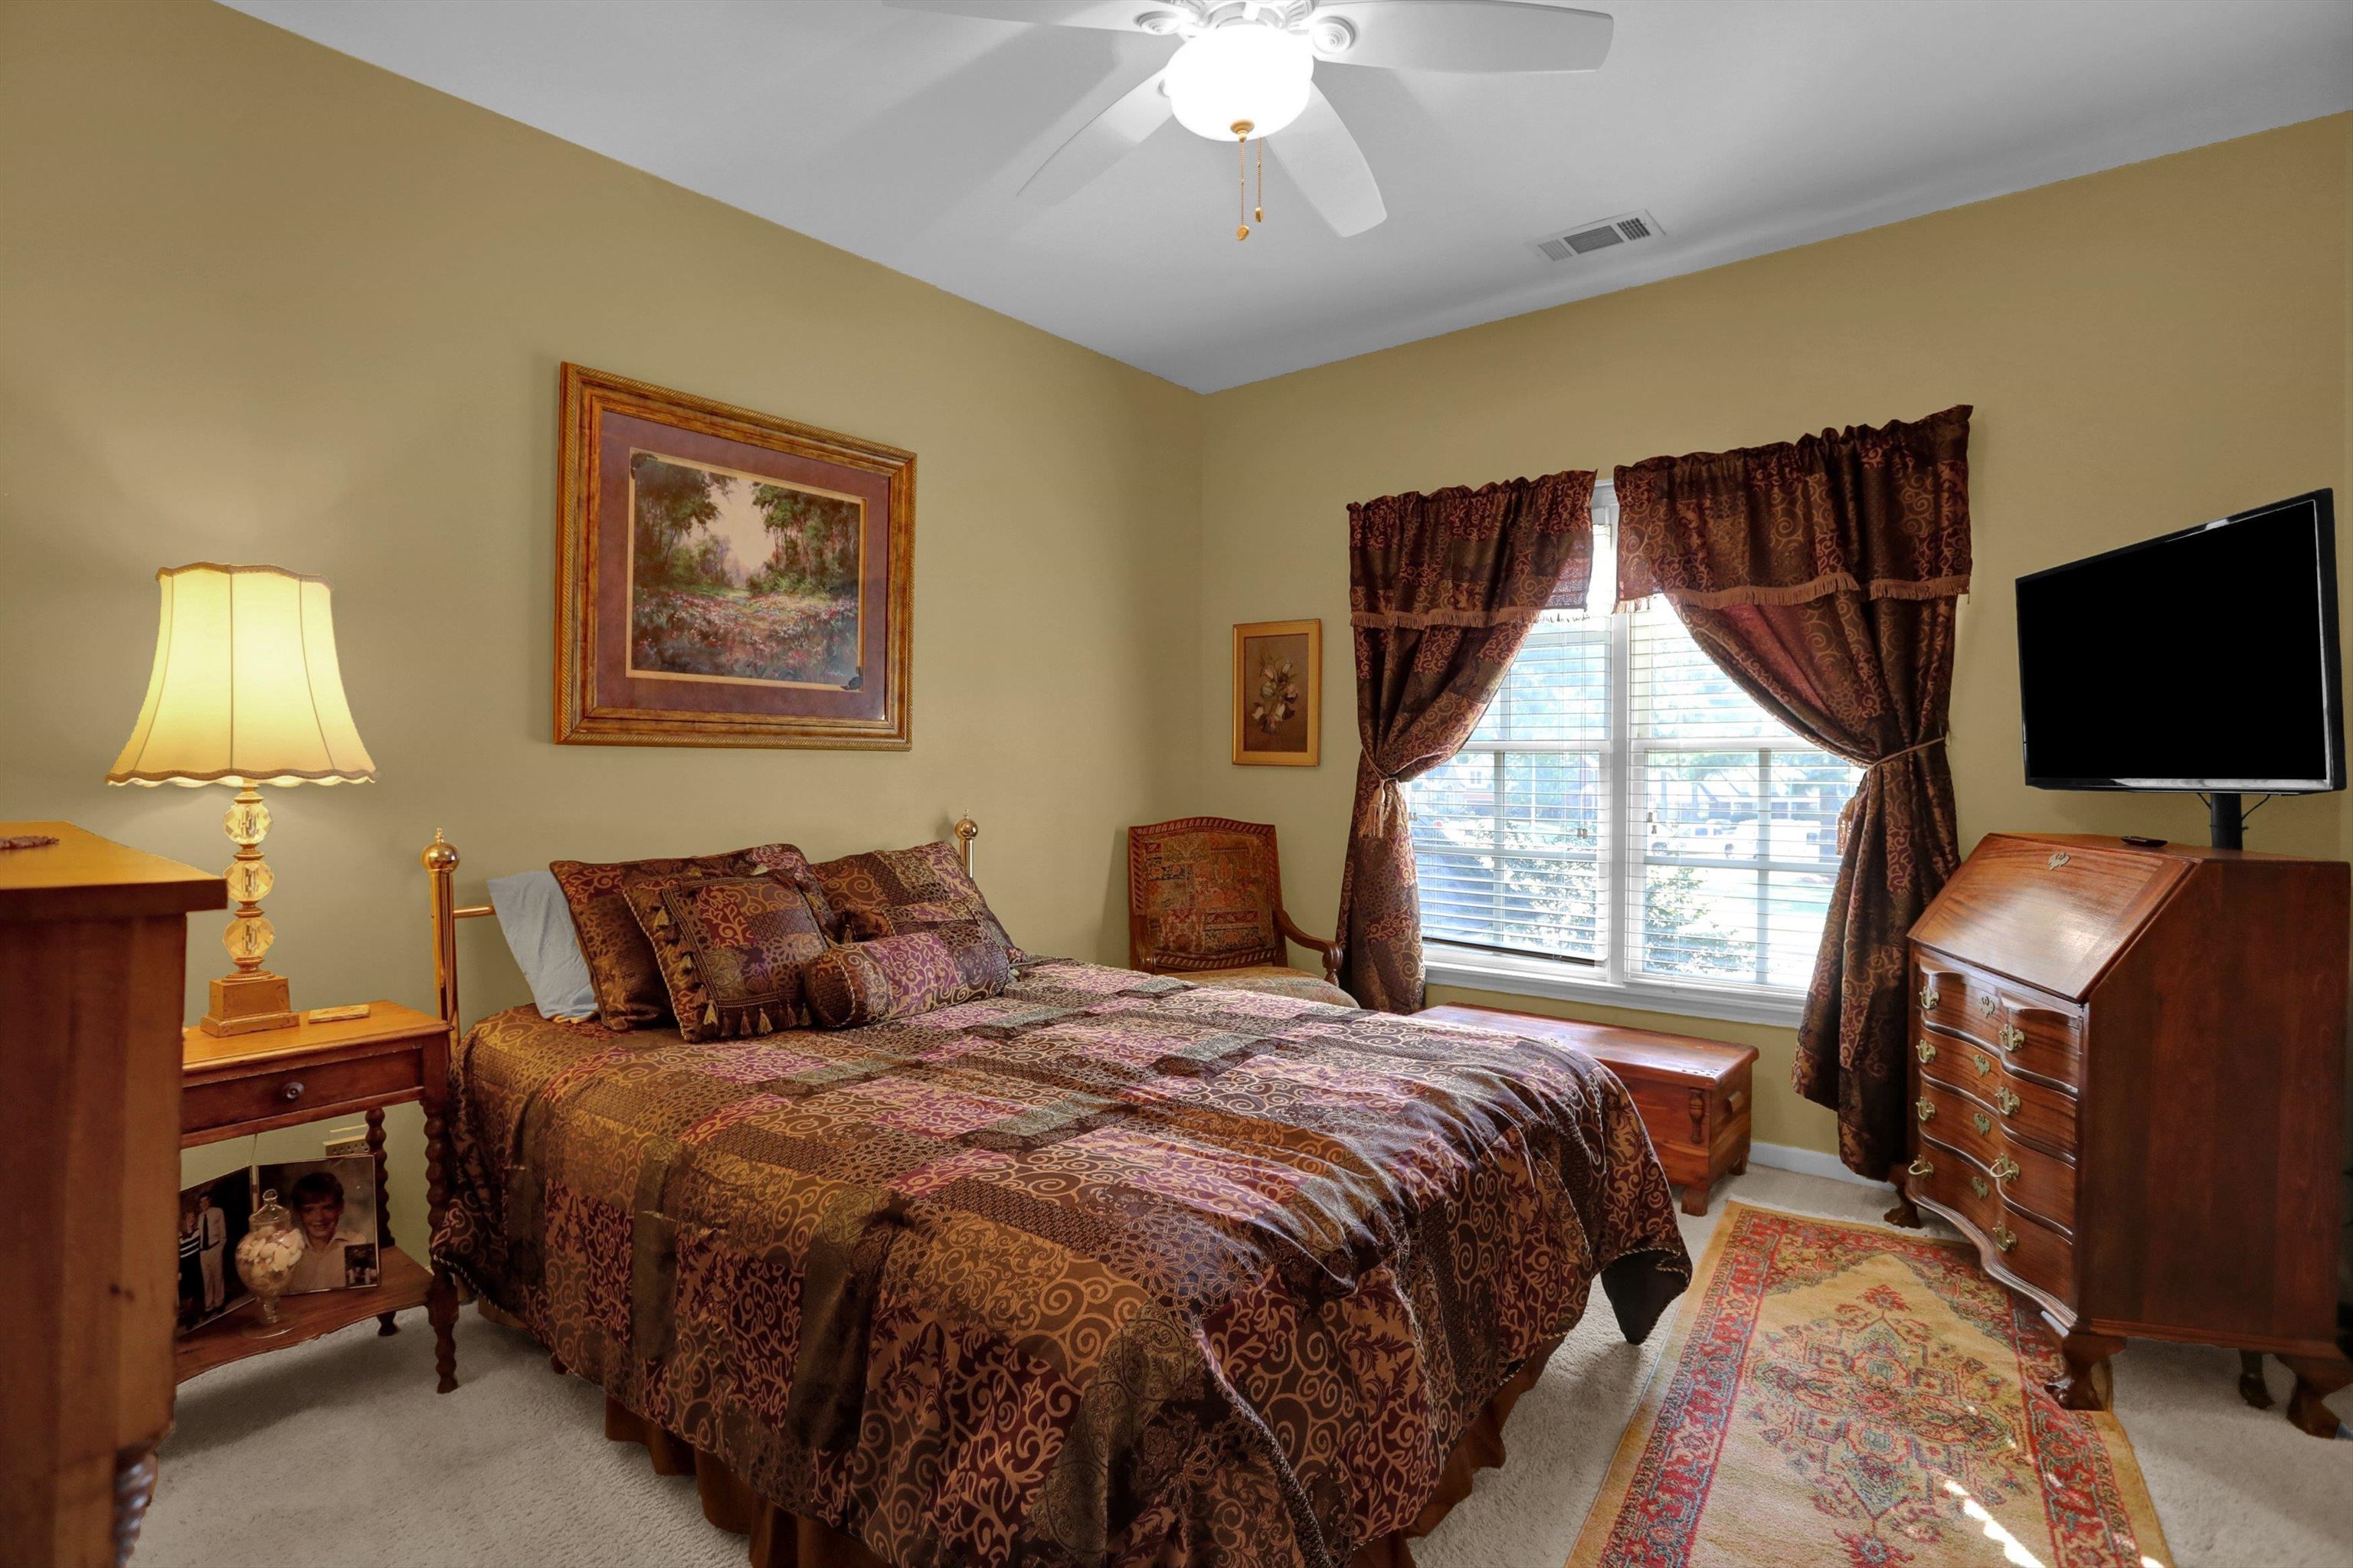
column 1695, row 1197
column 2251, row 1380
column 441, row 1295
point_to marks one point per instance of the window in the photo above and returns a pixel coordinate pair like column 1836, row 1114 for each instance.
column 1626, row 819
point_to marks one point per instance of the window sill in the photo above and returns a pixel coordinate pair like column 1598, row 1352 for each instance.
column 1570, row 982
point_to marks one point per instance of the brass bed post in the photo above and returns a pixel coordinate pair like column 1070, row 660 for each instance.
column 965, row 831
column 440, row 860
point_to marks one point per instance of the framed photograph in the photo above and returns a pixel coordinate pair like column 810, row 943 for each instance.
column 333, row 1205
column 724, row 577
column 1278, row 693
column 213, row 1217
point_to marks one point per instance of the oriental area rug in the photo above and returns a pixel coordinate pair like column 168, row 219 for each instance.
column 1853, row 1397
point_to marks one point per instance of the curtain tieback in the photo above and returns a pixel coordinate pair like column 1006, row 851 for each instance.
column 1384, row 810
column 1846, row 812
column 1899, row 755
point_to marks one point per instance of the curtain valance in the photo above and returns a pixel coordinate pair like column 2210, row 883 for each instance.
column 1460, row 557
column 1879, row 511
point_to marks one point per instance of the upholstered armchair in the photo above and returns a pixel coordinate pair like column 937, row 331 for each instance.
column 1205, row 902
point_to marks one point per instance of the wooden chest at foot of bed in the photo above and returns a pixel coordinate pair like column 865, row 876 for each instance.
column 1694, row 1093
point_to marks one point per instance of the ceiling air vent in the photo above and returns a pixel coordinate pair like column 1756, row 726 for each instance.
column 1588, row 238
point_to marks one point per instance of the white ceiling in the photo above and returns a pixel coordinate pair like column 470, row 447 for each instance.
column 1743, row 126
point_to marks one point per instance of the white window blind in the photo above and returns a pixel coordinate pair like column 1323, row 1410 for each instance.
column 1625, row 811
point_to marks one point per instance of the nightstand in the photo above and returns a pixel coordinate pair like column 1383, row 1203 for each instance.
column 239, row 1084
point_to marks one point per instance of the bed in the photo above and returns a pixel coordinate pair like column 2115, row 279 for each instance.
column 1108, row 1269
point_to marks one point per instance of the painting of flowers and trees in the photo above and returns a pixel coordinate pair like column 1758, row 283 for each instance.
column 727, row 578
column 734, row 578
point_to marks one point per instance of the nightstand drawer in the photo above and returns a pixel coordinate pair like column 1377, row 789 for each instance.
column 297, row 1094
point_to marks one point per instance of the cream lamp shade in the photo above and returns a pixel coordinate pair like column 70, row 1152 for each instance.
column 245, row 688
column 246, row 691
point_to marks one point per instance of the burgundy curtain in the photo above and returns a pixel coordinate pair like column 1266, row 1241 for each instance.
column 1444, row 588
column 1820, row 576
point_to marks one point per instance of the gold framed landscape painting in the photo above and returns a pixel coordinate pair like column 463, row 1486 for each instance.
column 726, row 578
column 1278, row 693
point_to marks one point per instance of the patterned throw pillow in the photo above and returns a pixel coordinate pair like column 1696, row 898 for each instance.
column 731, row 951
column 628, row 985
column 893, row 892
column 899, row 977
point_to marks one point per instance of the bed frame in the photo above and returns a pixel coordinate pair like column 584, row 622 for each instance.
column 440, row 868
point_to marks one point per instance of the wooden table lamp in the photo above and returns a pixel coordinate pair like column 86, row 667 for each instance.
column 246, row 691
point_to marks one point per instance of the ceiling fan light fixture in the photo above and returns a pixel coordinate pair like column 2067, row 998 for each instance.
column 1248, row 72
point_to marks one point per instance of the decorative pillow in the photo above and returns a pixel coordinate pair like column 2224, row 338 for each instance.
column 629, row 989
column 731, row 951
column 892, row 893
column 899, row 977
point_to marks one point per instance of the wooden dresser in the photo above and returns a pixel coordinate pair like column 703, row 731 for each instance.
column 2127, row 1080
column 93, row 943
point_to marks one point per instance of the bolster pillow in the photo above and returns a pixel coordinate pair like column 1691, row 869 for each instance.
column 901, row 976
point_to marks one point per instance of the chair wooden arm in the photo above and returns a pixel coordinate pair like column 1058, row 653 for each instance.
column 1331, row 952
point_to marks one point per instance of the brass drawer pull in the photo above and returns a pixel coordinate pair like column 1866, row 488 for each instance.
column 291, row 1092
column 1984, row 1063
column 2004, row 1237
column 1921, row 1167
column 2004, row 1168
column 2006, row 1098
column 1984, row 1122
column 1986, row 1004
column 1929, row 997
column 1926, row 1107
column 2012, row 1037
column 1927, row 1049
column 1977, row 1185
column 2058, row 858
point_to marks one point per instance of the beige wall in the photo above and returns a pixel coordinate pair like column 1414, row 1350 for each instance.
column 261, row 302
column 2146, row 348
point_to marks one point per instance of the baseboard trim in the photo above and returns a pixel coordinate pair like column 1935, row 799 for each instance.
column 1805, row 1163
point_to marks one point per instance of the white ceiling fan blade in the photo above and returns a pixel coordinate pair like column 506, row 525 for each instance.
column 1101, row 141
column 1328, row 167
column 1117, row 15
column 1469, row 35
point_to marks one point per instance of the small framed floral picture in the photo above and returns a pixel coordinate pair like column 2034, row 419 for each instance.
column 1278, row 693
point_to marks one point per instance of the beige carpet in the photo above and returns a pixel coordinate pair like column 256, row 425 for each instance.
column 339, row 1453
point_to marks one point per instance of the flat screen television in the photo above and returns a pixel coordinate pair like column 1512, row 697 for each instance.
column 2205, row 660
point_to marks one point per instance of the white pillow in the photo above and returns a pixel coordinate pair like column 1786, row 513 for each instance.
column 537, row 923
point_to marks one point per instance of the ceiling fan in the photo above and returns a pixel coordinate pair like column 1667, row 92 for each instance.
column 1246, row 69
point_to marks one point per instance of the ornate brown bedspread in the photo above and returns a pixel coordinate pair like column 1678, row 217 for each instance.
column 1107, row 1270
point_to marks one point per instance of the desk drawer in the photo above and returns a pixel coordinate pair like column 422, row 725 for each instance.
column 2028, row 1178
column 2017, row 1240
column 2027, row 1031
column 296, row 1094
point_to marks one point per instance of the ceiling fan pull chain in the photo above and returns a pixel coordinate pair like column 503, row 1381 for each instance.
column 1241, row 178
column 1258, row 209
